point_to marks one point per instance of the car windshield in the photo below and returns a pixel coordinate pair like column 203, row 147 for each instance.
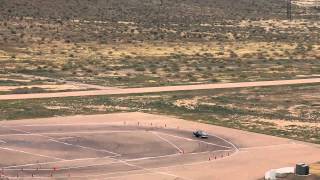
column 202, row 132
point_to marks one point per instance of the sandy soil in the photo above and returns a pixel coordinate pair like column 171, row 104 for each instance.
column 255, row 153
column 160, row 89
column 306, row 3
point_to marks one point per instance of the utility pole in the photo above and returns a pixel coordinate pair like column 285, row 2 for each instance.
column 289, row 10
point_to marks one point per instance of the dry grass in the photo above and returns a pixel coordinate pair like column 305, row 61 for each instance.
column 130, row 54
column 281, row 111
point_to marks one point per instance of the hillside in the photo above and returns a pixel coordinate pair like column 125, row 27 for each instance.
column 139, row 43
column 165, row 11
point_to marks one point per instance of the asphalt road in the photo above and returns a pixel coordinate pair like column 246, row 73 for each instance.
column 55, row 151
column 93, row 147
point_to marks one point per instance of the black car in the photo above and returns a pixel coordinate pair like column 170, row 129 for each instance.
column 200, row 134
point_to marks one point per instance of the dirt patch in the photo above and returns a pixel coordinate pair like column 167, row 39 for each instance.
column 187, row 103
column 104, row 108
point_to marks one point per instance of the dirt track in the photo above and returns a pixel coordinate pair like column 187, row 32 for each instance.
column 255, row 153
column 159, row 89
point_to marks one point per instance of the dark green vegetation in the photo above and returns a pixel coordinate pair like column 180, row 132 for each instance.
column 286, row 111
